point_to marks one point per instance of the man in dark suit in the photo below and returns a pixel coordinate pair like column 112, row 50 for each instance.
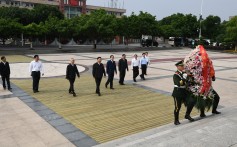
column 123, row 66
column 98, row 71
column 71, row 74
column 5, row 72
column 110, row 69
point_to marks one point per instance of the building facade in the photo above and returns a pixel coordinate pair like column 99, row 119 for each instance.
column 27, row 3
column 70, row 8
column 113, row 11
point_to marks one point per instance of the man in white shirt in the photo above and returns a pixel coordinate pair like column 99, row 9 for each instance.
column 36, row 69
column 135, row 67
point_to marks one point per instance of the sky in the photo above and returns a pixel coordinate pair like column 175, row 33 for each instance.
column 163, row 8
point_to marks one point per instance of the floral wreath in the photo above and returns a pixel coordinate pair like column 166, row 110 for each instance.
column 200, row 65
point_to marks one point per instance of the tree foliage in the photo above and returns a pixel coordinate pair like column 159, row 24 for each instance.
column 211, row 27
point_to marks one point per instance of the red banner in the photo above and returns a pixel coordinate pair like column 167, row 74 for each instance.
column 207, row 70
column 74, row 2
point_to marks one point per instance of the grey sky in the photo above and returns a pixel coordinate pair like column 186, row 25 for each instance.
column 163, row 8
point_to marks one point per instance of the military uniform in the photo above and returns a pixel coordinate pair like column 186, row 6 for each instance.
column 216, row 100
column 190, row 101
column 179, row 92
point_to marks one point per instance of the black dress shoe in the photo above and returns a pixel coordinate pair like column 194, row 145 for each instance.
column 99, row 94
column 216, row 112
column 202, row 115
column 74, row 94
column 10, row 88
column 189, row 118
column 106, row 85
column 134, row 80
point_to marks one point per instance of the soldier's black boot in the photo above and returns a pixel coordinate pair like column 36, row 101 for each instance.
column 189, row 118
column 176, row 118
column 202, row 114
column 214, row 111
column 187, row 115
column 188, row 112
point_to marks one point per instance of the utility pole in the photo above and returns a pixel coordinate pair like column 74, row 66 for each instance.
column 200, row 30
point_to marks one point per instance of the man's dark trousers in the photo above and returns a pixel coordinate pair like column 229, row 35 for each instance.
column 36, row 79
column 4, row 79
column 110, row 80
column 143, row 66
column 98, row 81
column 122, row 75
column 71, row 80
column 135, row 72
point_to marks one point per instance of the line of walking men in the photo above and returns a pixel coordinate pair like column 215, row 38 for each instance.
column 98, row 70
column 36, row 70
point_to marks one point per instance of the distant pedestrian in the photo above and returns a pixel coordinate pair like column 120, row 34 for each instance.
column 143, row 65
column 5, row 73
column 135, row 67
column 36, row 69
column 98, row 71
column 110, row 69
column 148, row 61
column 123, row 66
column 71, row 74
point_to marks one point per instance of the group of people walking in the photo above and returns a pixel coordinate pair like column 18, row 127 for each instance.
column 182, row 96
column 98, row 70
column 36, row 70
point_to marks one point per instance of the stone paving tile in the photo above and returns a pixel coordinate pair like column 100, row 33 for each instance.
column 25, row 128
column 66, row 128
column 58, row 122
column 75, row 136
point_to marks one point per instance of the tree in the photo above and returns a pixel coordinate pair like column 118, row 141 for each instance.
column 51, row 27
column 231, row 31
column 41, row 13
column 211, row 27
column 21, row 15
column 179, row 25
column 33, row 31
column 9, row 29
column 99, row 25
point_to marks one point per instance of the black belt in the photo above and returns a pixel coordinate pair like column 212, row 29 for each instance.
column 35, row 71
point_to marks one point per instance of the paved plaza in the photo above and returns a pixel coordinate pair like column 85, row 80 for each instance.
column 136, row 114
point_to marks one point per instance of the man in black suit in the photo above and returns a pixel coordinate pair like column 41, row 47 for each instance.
column 98, row 71
column 5, row 72
column 110, row 69
column 71, row 74
column 123, row 66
